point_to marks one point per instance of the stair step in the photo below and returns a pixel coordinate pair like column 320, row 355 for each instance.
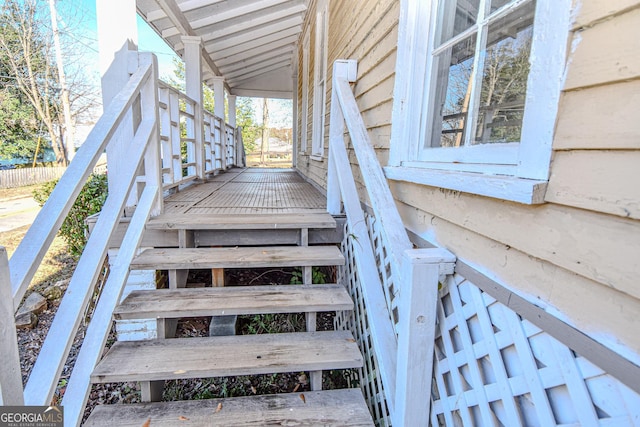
column 333, row 408
column 180, row 358
column 241, row 221
column 230, row 300
column 237, row 257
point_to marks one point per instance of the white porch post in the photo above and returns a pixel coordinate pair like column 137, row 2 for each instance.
column 294, row 107
column 117, row 36
column 422, row 270
column 232, row 109
column 232, row 122
column 218, row 110
column 193, row 86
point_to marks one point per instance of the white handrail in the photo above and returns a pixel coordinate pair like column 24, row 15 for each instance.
column 341, row 186
column 10, row 375
column 404, row 364
column 29, row 254
column 77, row 392
column 382, row 202
column 44, row 376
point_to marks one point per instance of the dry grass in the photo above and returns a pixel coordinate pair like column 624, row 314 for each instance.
column 57, row 264
column 14, row 193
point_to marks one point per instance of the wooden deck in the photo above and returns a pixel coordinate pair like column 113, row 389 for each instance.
column 249, row 191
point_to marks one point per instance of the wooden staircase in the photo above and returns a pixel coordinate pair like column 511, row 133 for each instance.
column 152, row 362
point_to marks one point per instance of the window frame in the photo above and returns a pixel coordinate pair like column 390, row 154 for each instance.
column 320, row 80
column 304, row 146
column 524, row 164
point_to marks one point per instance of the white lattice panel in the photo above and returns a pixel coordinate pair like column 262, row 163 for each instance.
column 378, row 238
column 492, row 368
column 356, row 322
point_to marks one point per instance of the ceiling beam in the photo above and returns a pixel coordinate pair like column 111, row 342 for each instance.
column 236, row 80
column 242, row 71
column 234, row 12
column 275, row 48
column 251, row 34
column 256, row 46
column 170, row 7
column 276, row 20
column 257, row 93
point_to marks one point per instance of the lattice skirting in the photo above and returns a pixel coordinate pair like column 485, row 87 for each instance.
column 491, row 367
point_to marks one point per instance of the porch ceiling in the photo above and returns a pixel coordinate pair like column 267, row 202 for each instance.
column 248, row 42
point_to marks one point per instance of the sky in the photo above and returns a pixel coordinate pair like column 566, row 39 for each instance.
column 79, row 17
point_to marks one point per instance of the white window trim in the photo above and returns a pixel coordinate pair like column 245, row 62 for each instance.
column 320, row 75
column 304, row 136
column 521, row 182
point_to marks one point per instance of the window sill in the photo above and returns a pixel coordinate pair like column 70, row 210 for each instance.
column 520, row 190
column 317, row 157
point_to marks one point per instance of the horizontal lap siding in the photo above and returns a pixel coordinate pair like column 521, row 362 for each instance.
column 576, row 255
column 368, row 32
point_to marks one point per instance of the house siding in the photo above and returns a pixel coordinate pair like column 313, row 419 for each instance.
column 577, row 255
column 366, row 31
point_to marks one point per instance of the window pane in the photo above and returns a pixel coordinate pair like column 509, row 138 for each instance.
column 454, row 17
column 504, row 78
column 453, row 89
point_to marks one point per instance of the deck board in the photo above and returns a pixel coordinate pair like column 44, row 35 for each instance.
column 249, row 191
column 207, row 357
column 330, row 408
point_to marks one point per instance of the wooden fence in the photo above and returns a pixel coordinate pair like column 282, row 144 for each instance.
column 13, row 178
column 28, row 176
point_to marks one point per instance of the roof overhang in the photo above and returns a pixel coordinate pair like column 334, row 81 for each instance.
column 250, row 43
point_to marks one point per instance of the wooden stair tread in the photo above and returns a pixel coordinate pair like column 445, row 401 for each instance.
column 237, row 257
column 227, row 356
column 241, row 221
column 229, row 300
column 333, row 408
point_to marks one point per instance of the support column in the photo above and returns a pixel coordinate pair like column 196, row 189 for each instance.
column 117, row 36
column 193, row 87
column 218, row 110
column 232, row 122
column 294, row 106
column 232, row 109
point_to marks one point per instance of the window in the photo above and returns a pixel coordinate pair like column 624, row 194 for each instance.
column 305, row 94
column 480, row 97
column 320, row 79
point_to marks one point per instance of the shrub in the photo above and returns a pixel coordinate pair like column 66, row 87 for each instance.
column 89, row 201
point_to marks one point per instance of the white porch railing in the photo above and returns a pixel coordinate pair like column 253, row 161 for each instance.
column 164, row 149
column 180, row 144
column 404, row 355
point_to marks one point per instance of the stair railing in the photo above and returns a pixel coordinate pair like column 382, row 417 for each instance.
column 404, row 353
column 138, row 98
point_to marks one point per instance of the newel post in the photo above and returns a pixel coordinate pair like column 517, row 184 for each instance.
column 11, row 392
column 343, row 70
column 422, row 270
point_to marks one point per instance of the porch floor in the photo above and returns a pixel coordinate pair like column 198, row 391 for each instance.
column 248, row 191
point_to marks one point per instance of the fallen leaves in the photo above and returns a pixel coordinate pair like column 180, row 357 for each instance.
column 219, row 408
column 147, row 423
column 183, row 418
column 304, row 399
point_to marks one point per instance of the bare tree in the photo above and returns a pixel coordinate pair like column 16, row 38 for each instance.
column 25, row 51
